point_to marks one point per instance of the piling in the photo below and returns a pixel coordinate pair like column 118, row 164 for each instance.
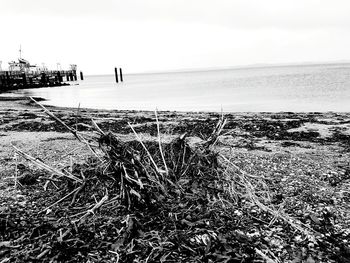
column 24, row 79
column 81, row 75
column 43, row 78
column 59, row 76
column 3, row 80
column 75, row 76
column 116, row 74
column 67, row 76
column 7, row 80
column 121, row 74
column 71, row 76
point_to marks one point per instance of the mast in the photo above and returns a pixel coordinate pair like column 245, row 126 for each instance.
column 20, row 51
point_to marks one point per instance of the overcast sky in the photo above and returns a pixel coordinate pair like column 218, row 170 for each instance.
column 152, row 35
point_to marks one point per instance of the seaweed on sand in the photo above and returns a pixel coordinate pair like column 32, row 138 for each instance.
column 142, row 201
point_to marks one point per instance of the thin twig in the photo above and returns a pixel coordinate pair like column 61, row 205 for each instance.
column 76, row 118
column 250, row 191
column 97, row 127
column 160, row 145
column 16, row 170
column 264, row 256
column 145, row 148
column 45, row 166
column 59, row 201
column 79, row 190
column 92, row 210
column 73, row 131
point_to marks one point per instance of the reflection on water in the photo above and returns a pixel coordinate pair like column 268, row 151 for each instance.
column 287, row 88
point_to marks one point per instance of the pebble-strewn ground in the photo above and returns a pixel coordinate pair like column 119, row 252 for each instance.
column 303, row 158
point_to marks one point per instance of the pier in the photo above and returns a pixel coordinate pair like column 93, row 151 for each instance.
column 24, row 75
column 10, row 80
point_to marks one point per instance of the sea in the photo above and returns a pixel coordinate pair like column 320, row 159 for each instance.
column 293, row 88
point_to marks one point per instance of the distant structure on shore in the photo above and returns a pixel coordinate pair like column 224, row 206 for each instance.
column 23, row 74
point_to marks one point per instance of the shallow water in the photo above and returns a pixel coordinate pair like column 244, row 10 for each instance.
column 284, row 88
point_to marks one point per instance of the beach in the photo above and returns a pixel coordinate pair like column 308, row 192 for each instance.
column 302, row 158
column 175, row 131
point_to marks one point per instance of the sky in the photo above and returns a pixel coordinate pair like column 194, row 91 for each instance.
column 165, row 35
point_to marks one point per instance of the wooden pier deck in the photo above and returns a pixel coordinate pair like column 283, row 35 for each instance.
column 11, row 80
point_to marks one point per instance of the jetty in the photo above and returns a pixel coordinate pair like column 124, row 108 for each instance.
column 23, row 75
column 10, row 80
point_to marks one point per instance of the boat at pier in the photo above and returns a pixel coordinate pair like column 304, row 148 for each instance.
column 22, row 74
column 22, row 66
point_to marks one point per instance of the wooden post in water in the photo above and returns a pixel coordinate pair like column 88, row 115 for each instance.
column 3, row 81
column 8, row 80
column 60, row 79
column 30, row 81
column 81, row 75
column 121, row 74
column 43, row 78
column 71, row 76
column 67, row 76
column 116, row 74
column 24, row 79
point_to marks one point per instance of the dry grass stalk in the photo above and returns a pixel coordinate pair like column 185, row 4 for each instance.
column 80, row 188
column 46, row 167
column 265, row 257
column 213, row 138
column 93, row 209
column 59, row 201
column 145, row 148
column 73, row 131
column 16, row 170
column 249, row 190
column 160, row 145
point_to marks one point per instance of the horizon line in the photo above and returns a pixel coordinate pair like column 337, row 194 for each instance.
column 244, row 66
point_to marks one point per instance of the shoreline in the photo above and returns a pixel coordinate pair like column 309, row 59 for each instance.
column 21, row 114
column 22, row 101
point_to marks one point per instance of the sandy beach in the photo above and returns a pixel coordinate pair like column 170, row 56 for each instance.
column 303, row 158
column 175, row 131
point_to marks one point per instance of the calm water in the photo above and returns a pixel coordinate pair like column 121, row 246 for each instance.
column 285, row 88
